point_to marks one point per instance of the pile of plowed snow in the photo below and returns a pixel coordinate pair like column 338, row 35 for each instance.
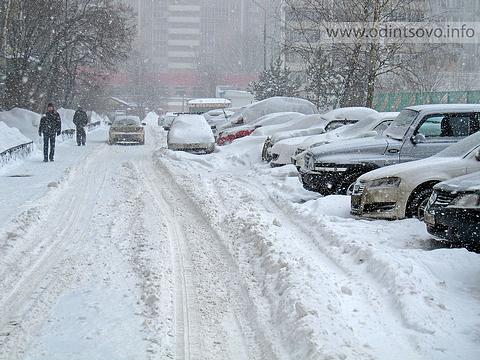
column 24, row 120
column 11, row 137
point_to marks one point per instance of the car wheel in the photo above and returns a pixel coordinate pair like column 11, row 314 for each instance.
column 418, row 202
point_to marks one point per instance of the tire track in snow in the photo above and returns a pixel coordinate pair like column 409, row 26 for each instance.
column 190, row 234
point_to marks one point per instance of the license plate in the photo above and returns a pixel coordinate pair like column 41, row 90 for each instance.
column 429, row 218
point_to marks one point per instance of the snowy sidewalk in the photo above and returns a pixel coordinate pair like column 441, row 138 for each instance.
column 24, row 182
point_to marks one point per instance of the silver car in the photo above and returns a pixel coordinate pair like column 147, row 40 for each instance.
column 127, row 130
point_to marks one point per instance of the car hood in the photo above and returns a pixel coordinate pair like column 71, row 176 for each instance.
column 464, row 183
column 374, row 145
column 438, row 168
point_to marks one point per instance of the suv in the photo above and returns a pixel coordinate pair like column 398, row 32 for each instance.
column 418, row 132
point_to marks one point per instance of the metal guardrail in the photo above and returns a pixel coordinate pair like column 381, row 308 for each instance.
column 16, row 152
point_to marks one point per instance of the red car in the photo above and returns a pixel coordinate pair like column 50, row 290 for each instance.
column 228, row 135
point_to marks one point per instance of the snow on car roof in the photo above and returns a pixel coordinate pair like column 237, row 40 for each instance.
column 445, row 107
column 277, row 104
column 209, row 101
column 349, row 113
column 190, row 129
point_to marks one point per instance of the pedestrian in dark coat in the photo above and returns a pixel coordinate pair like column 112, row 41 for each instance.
column 80, row 119
column 50, row 127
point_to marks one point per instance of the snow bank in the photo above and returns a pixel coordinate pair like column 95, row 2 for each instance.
column 11, row 137
column 151, row 118
column 67, row 118
column 24, row 120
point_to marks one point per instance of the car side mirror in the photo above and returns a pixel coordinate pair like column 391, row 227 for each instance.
column 477, row 155
column 109, row 123
column 419, row 138
column 144, row 124
column 257, row 126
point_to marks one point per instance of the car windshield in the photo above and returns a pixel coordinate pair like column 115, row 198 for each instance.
column 357, row 128
column 399, row 127
column 129, row 121
column 462, row 148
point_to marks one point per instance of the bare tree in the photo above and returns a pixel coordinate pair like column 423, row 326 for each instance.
column 355, row 66
column 49, row 45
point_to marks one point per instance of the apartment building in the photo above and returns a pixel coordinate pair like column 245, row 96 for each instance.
column 192, row 46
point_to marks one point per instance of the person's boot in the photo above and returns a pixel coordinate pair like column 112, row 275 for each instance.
column 45, row 160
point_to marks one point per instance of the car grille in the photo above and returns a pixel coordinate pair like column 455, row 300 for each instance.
column 444, row 199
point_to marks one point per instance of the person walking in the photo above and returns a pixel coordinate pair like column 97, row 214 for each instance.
column 80, row 119
column 50, row 127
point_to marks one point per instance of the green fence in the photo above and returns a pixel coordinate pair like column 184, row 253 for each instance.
column 398, row 101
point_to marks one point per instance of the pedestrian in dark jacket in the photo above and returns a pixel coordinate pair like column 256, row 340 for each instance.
column 80, row 119
column 50, row 127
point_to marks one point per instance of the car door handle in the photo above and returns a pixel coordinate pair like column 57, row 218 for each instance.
column 393, row 151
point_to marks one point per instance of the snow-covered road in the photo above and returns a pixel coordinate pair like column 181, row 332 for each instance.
column 137, row 252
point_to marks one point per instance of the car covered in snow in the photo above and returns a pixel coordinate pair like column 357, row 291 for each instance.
column 191, row 133
column 372, row 125
column 229, row 135
column 127, row 130
column 250, row 114
column 330, row 121
column 403, row 190
column 453, row 210
column 416, row 133
column 166, row 120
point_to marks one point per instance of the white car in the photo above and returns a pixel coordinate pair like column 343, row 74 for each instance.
column 251, row 113
column 403, row 190
column 291, row 150
column 191, row 133
column 330, row 121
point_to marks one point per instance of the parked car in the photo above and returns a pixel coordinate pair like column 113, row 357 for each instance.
column 418, row 132
column 229, row 135
column 251, row 113
column 287, row 151
column 166, row 120
column 372, row 126
column 330, row 121
column 219, row 112
column 191, row 133
column 127, row 129
column 453, row 211
column 403, row 190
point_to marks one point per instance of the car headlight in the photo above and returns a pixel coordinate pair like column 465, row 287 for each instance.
column 387, row 182
column 465, row 201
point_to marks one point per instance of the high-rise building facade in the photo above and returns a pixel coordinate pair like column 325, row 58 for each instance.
column 192, row 46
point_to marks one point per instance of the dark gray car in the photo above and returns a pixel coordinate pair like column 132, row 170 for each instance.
column 418, row 132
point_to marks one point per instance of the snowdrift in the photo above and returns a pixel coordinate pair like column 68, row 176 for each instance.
column 24, row 120
column 11, row 137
